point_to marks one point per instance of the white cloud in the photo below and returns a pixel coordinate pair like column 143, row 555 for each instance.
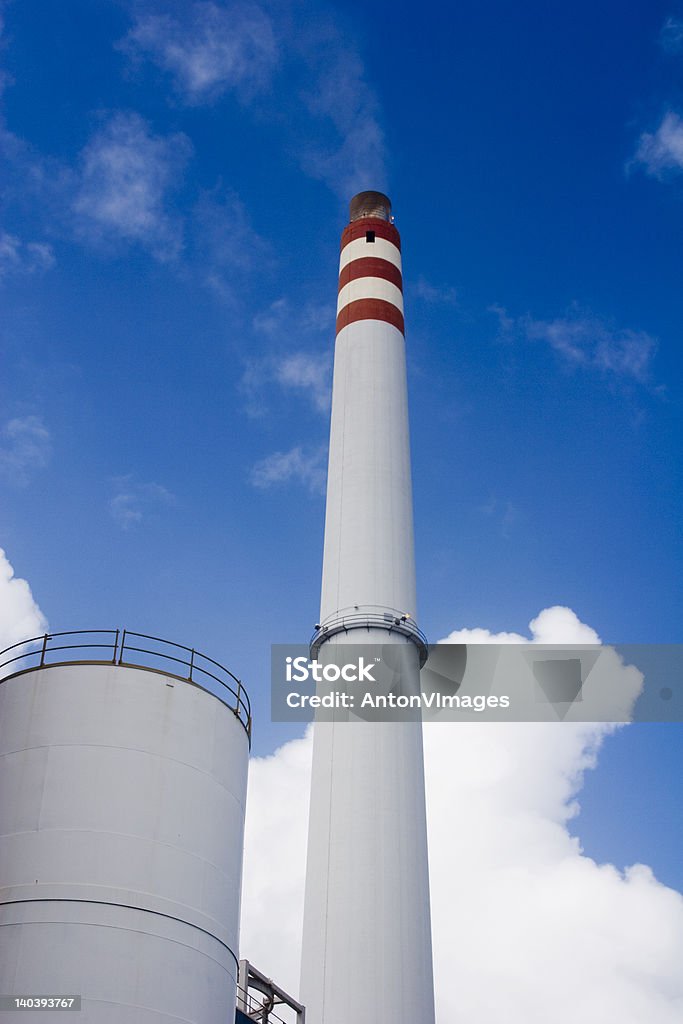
column 209, row 49
column 584, row 340
column 25, row 446
column 306, row 374
column 126, row 173
column 20, row 616
column 23, row 257
column 561, row 625
column 526, row 927
column 272, row 899
column 135, row 502
column 661, row 151
column 555, row 625
column 309, row 374
column 304, row 466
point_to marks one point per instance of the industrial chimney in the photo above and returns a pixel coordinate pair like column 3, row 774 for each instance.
column 367, row 937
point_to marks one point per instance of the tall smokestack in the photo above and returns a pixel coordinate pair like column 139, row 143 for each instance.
column 367, row 939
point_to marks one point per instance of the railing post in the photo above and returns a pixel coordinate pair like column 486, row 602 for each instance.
column 243, row 986
column 123, row 640
column 116, row 647
column 191, row 664
column 42, row 653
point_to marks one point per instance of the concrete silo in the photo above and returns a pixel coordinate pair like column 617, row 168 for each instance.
column 123, row 771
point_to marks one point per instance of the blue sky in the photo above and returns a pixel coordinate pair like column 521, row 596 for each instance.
column 175, row 180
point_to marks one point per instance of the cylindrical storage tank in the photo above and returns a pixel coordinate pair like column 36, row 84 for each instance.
column 122, row 800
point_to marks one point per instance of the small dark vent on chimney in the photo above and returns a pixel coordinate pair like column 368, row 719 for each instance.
column 369, row 236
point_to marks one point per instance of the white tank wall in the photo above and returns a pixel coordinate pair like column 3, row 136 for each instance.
column 122, row 799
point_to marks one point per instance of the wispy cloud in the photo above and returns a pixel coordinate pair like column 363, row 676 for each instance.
column 504, row 514
column 435, row 294
column 671, row 35
column 298, row 465
column 306, row 374
column 135, row 502
column 25, row 447
column 208, row 48
column 23, row 257
column 661, row 152
column 506, row 323
column 350, row 154
column 585, row 340
column 280, row 319
column 4, row 77
column 126, row 172
column 274, row 319
column 329, row 111
column 226, row 245
column 318, row 316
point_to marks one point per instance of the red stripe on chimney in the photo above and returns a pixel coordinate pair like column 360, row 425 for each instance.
column 370, row 309
column 360, row 228
column 370, row 266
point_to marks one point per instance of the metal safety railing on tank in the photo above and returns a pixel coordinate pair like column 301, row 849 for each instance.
column 258, row 997
column 260, row 1010
column 123, row 647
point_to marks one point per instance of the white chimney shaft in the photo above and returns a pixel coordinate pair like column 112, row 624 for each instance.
column 367, row 938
